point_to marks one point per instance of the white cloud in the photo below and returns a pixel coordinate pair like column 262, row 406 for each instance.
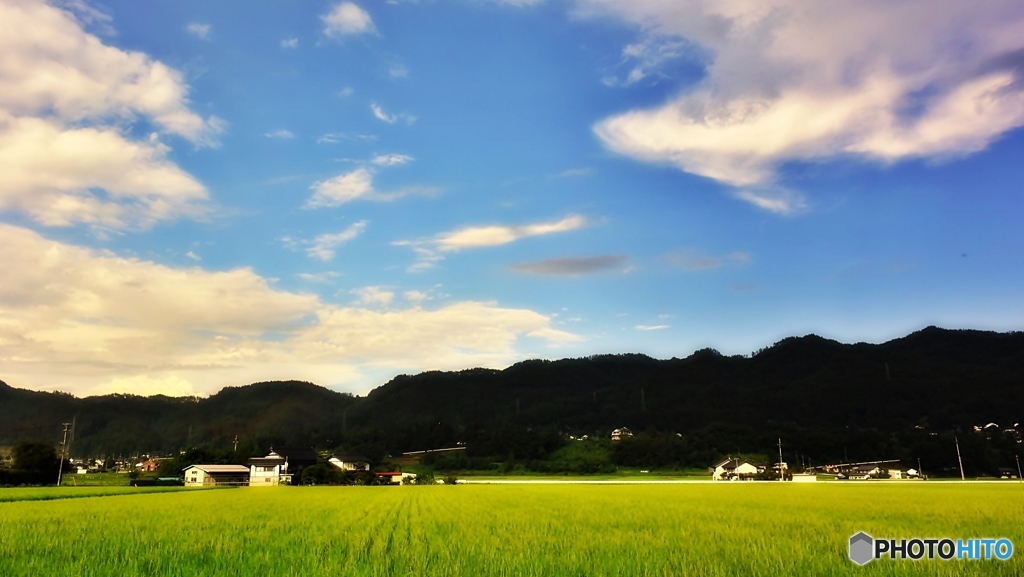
column 346, row 19
column 67, row 103
column 336, row 137
column 280, row 133
column 391, row 159
column 494, row 235
column 374, row 296
column 415, row 296
column 652, row 327
column 50, row 171
column 430, row 251
column 323, row 246
column 193, row 256
column 320, row 277
column 198, row 30
column 789, row 80
column 379, row 113
column 290, row 43
column 91, row 322
column 342, row 188
column 358, row 185
column 398, row 71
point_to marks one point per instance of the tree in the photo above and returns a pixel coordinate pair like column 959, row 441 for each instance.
column 35, row 457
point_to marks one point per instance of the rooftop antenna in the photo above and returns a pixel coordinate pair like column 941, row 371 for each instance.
column 961, row 461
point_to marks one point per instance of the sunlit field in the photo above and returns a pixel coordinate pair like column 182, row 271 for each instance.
column 699, row 529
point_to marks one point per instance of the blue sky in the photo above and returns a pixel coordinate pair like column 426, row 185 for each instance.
column 210, row 194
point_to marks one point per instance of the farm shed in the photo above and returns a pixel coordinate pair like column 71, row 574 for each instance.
column 207, row 475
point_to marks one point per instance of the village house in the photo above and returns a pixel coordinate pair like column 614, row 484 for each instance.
column 620, row 434
column 268, row 471
column 731, row 469
column 350, row 462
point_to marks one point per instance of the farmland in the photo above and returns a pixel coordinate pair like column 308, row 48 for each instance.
column 696, row 529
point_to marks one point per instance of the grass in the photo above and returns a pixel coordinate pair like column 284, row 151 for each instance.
column 703, row 529
column 54, row 493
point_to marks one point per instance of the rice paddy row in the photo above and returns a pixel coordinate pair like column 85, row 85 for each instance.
column 698, row 529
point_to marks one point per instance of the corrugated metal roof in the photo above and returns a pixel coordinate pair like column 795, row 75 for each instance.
column 220, row 468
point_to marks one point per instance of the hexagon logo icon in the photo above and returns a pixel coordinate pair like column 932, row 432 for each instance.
column 862, row 548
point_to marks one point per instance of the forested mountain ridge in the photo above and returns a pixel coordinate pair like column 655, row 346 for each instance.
column 828, row 397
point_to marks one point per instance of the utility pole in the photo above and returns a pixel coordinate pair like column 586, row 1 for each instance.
column 63, row 451
column 920, row 473
column 961, row 461
column 235, row 443
column 1019, row 478
column 781, row 475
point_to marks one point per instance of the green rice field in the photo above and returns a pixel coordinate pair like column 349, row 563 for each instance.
column 481, row 530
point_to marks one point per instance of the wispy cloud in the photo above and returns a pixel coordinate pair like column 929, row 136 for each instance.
column 430, row 251
column 322, row 247
column 570, row 266
column 280, row 133
column 336, row 137
column 198, row 30
column 652, row 327
column 347, row 19
column 319, row 277
column 290, row 43
column 391, row 159
column 374, row 296
column 379, row 113
column 346, row 92
column 193, row 256
column 695, row 260
column 358, row 185
column 398, row 71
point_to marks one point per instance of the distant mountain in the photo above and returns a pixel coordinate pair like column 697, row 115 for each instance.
column 812, row 390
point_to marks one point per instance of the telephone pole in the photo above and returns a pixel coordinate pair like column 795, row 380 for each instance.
column 235, row 443
column 63, row 452
column 782, row 474
column 961, row 461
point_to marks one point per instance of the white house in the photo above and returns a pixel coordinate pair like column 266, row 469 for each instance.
column 268, row 471
column 350, row 462
column 207, row 475
column 731, row 469
column 620, row 434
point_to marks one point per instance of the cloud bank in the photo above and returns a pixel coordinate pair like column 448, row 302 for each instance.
column 91, row 322
column 66, row 101
column 788, row 80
